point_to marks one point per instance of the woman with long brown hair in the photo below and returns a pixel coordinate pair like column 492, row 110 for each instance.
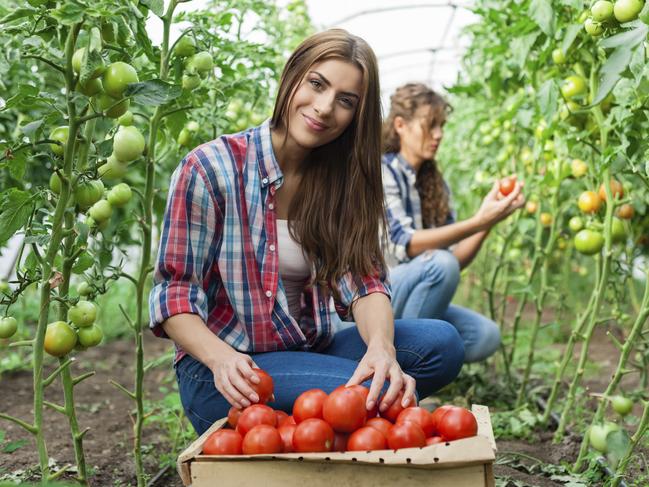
column 267, row 230
column 422, row 225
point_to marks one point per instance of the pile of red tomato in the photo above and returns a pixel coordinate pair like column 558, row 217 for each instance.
column 337, row 422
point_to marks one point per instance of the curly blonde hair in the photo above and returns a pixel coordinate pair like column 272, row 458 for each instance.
column 405, row 101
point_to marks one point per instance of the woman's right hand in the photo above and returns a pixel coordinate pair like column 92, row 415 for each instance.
column 496, row 207
column 233, row 376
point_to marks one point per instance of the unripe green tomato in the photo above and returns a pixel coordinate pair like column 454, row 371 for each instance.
column 558, row 56
column 113, row 170
column 578, row 167
column 618, row 231
column 622, row 405
column 576, row 223
column 90, row 336
column 60, row 338
column 192, row 126
column 88, row 193
column 589, row 242
column 128, row 144
column 126, row 119
column 105, row 103
column 117, row 77
column 191, row 81
column 201, row 62
column 55, row 183
column 84, row 313
column 60, row 134
column 573, row 86
column 8, row 326
column 593, row 28
column 90, row 87
column 4, row 287
column 100, row 211
column 584, row 15
column 100, row 225
column 77, row 58
column 184, row 138
column 185, row 46
column 627, row 10
column 602, row 10
column 84, row 289
column 598, row 434
column 119, row 195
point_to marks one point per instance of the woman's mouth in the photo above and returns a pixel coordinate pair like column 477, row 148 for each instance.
column 313, row 124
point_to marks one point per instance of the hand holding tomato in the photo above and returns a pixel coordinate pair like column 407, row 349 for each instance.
column 381, row 364
column 235, row 378
column 496, row 206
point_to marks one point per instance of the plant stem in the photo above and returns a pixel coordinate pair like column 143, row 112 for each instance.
column 635, row 439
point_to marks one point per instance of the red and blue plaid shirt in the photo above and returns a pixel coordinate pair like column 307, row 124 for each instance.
column 218, row 253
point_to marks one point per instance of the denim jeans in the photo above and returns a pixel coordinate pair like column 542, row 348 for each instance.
column 431, row 351
column 424, row 288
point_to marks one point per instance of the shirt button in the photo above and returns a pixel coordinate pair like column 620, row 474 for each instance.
column 265, row 180
column 271, row 206
column 272, row 248
column 269, row 294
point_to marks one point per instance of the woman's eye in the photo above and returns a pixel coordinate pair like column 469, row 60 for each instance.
column 315, row 83
column 347, row 102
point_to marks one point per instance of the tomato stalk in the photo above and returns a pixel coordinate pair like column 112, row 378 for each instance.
column 629, row 345
column 640, row 431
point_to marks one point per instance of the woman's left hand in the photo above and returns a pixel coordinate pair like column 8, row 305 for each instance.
column 380, row 363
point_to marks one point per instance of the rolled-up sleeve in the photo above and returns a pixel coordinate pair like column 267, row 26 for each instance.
column 187, row 247
column 400, row 224
column 354, row 287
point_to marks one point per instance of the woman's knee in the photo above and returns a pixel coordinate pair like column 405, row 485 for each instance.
column 443, row 266
column 487, row 344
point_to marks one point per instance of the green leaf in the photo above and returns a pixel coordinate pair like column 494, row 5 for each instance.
column 156, row 6
column 548, row 97
column 520, row 48
column 569, row 37
column 542, row 13
column 31, row 128
column 617, row 443
column 630, row 38
column 611, row 72
column 16, row 210
column 153, row 92
column 85, row 261
column 12, row 446
column 19, row 13
column 17, row 165
column 69, row 13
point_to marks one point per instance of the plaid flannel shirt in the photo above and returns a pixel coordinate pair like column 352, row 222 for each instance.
column 218, row 253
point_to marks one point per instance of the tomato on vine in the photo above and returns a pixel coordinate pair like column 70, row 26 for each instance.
column 8, row 326
column 589, row 202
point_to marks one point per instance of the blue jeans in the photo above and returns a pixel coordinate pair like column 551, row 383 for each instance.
column 424, row 288
column 430, row 351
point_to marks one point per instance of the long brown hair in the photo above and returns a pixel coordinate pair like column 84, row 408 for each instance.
column 337, row 211
column 430, row 183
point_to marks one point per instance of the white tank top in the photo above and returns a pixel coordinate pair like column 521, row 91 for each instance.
column 294, row 268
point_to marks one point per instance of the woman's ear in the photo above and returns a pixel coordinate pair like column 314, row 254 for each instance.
column 399, row 124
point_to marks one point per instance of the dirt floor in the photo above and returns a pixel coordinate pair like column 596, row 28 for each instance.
column 105, row 411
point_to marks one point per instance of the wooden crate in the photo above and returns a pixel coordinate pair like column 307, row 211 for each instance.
column 461, row 463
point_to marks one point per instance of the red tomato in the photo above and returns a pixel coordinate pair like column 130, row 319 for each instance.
column 286, row 432
column 394, row 410
column 380, row 424
column 281, row 416
column 233, row 416
column 255, row 415
column 457, row 423
column 223, row 442
column 433, row 440
column 420, row 416
column 406, row 435
column 265, row 387
column 438, row 413
column 262, row 438
column 344, row 409
column 309, row 405
column 364, row 391
column 507, row 186
column 287, row 420
column 340, row 442
column 313, row 435
column 366, row 439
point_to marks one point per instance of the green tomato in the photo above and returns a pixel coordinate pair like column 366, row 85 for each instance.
column 558, row 56
column 593, row 28
column 573, row 86
column 618, row 231
column 598, row 434
column 128, row 144
column 185, row 46
column 84, row 289
column 627, row 10
column 8, row 326
column 579, row 168
column 119, row 195
column 60, row 338
column 88, row 193
column 117, row 77
column 622, row 405
column 90, row 87
column 588, row 242
column 105, row 103
column 84, row 313
column 100, row 225
column 192, row 126
column 77, row 59
column 602, row 10
column 90, row 336
column 55, row 183
column 113, row 170
column 100, row 211
column 59, row 134
column 126, row 119
column 191, row 81
column 200, row 62
column 576, row 224
column 4, row 287
column 184, row 138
